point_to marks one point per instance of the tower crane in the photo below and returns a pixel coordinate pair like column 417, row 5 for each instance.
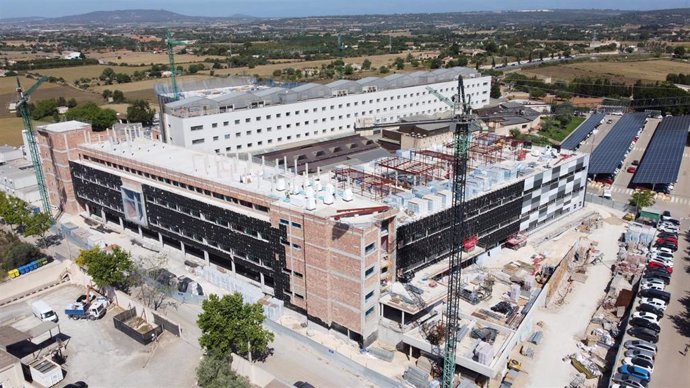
column 170, row 44
column 463, row 124
column 23, row 108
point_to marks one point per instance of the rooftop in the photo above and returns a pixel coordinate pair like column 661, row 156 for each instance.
column 213, row 101
column 7, row 359
column 64, row 126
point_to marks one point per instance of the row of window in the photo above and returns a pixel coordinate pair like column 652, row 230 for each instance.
column 332, row 118
column 181, row 185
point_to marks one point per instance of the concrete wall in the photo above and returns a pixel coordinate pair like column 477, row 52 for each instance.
column 12, row 376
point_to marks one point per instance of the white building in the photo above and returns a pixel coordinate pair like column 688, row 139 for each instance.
column 251, row 121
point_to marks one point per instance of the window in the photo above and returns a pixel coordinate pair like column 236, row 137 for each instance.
column 279, row 139
column 249, row 145
column 239, row 147
column 277, row 115
column 247, row 120
column 198, row 141
column 214, row 125
column 269, row 129
column 268, row 117
column 296, row 246
column 227, row 136
column 279, row 127
column 369, row 312
column 369, row 248
column 296, row 112
column 287, row 114
column 237, row 121
column 249, row 132
column 258, row 130
column 215, row 138
column 226, row 123
column 238, row 134
column 369, row 272
column 259, row 143
column 369, row 295
column 288, row 125
column 258, row 118
column 228, row 149
column 197, row 127
column 270, row 141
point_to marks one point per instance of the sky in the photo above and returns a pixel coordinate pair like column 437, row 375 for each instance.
column 291, row 8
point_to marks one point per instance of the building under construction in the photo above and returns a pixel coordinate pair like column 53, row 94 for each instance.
column 331, row 241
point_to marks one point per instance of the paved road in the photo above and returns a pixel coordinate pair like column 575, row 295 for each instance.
column 671, row 368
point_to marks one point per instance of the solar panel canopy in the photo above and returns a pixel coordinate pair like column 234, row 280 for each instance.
column 611, row 151
column 662, row 158
column 582, row 131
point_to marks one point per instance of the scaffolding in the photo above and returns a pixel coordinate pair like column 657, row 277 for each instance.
column 365, row 184
column 411, row 172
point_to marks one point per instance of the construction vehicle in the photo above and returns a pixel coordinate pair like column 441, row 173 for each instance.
column 462, row 124
column 43, row 311
column 23, row 109
column 91, row 311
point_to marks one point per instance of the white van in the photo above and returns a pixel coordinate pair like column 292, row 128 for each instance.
column 43, row 312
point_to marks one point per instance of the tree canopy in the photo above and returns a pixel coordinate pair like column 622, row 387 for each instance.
column 107, row 268
column 229, row 325
column 215, row 372
column 642, row 199
column 89, row 112
column 37, row 224
column 139, row 111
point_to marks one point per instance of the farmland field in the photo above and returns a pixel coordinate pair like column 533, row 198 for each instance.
column 628, row 72
column 73, row 73
column 11, row 130
column 48, row 90
column 146, row 58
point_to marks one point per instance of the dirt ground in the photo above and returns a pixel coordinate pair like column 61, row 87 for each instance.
column 73, row 73
column 102, row 356
column 629, row 72
column 145, row 58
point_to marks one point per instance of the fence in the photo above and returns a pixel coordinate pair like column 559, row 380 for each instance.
column 326, row 353
column 144, row 338
column 166, row 324
column 595, row 199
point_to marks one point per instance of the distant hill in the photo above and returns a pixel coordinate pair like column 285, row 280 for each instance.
column 129, row 16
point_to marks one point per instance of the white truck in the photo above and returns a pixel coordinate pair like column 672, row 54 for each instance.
column 92, row 311
column 43, row 312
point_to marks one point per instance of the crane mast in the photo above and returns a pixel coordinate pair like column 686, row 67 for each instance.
column 170, row 44
column 23, row 108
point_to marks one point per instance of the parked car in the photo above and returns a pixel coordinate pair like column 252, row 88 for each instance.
column 83, row 298
column 651, row 309
column 640, row 353
column 661, row 295
column 631, row 169
column 635, row 163
column 634, row 371
column 656, row 264
column 644, row 334
column 667, row 234
column 646, row 315
column 640, row 344
column 672, row 247
column 640, row 362
column 651, row 286
column 655, row 281
column 627, row 380
column 641, row 322
column 667, row 240
column 654, row 302
column 303, row 384
column 658, row 273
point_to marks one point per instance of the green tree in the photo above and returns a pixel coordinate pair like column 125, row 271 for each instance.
column 107, row 74
column 123, row 78
column 679, row 51
column 399, row 63
column 216, row 372
column 642, row 199
column 383, row 69
column 229, row 325
column 139, row 111
column 107, row 93
column 348, row 70
column 536, row 93
column 19, row 254
column 277, row 73
column 107, row 268
column 37, row 224
column 495, row 90
column 89, row 112
column 14, row 211
column 366, row 64
column 493, row 62
column 71, row 103
column 44, row 108
column 118, row 96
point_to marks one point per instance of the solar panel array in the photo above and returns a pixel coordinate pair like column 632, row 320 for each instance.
column 582, row 131
column 661, row 161
column 611, row 151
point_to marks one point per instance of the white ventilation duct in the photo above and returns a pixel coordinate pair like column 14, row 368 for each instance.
column 311, row 202
column 347, row 195
column 280, row 184
column 328, row 198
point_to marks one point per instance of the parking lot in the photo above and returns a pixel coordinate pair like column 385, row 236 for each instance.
column 102, row 356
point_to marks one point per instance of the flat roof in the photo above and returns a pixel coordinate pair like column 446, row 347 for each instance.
column 664, row 154
column 582, row 131
column 64, row 126
column 7, row 359
column 610, row 153
column 10, row 336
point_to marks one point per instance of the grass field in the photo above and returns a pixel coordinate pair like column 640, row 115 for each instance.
column 628, row 72
column 73, row 73
column 11, row 130
column 146, row 58
column 45, row 91
column 559, row 134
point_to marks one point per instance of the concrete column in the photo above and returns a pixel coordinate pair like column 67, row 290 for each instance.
column 160, row 239
column 206, row 257
column 122, row 223
column 403, row 318
column 182, row 249
column 233, row 266
column 103, row 215
column 88, row 210
column 261, row 278
column 141, row 234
